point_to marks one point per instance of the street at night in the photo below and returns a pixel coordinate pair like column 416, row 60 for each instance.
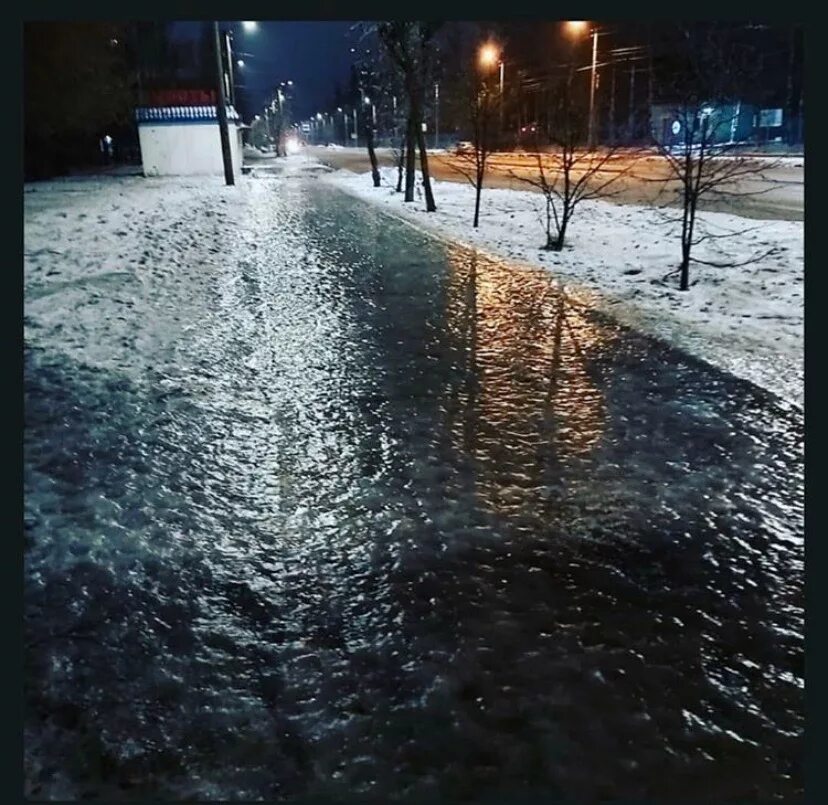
column 334, row 498
column 777, row 191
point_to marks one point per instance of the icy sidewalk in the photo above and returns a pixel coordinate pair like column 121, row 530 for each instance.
column 747, row 320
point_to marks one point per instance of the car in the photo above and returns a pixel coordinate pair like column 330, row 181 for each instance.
column 463, row 147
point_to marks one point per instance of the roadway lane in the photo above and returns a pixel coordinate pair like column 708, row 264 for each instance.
column 778, row 193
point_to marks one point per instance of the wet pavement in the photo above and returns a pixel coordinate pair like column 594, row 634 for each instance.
column 343, row 511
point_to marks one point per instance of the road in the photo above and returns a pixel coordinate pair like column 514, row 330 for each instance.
column 778, row 193
column 319, row 506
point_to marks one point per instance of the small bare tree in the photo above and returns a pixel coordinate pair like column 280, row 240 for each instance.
column 481, row 103
column 411, row 47
column 568, row 172
column 373, row 71
column 700, row 128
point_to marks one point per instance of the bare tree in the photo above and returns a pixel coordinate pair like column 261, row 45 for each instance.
column 482, row 104
column 410, row 46
column 373, row 73
column 700, row 127
column 568, row 172
column 368, row 78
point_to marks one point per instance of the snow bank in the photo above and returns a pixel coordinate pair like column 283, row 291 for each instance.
column 747, row 320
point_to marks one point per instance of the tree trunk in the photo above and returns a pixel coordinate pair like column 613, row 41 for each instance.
column 684, row 281
column 430, row 205
column 372, row 155
column 400, row 164
column 409, row 160
column 562, row 233
column 478, row 188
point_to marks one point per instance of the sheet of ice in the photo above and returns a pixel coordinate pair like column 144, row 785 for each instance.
column 747, row 320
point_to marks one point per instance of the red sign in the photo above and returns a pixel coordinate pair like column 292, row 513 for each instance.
column 182, row 97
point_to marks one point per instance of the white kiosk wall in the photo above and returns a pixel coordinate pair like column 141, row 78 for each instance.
column 181, row 141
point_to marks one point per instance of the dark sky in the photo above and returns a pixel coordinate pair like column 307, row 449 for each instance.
column 314, row 55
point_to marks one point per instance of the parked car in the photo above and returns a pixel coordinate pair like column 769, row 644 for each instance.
column 463, row 147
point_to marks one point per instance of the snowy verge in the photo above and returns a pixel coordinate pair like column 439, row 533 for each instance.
column 747, row 320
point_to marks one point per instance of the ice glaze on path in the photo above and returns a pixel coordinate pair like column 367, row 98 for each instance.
column 748, row 320
column 318, row 505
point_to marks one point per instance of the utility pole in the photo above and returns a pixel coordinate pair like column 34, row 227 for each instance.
column 231, row 83
column 631, row 120
column 612, row 108
column 436, row 115
column 650, row 81
column 591, row 130
column 221, row 112
column 501, row 97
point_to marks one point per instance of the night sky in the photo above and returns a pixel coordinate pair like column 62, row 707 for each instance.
column 314, row 55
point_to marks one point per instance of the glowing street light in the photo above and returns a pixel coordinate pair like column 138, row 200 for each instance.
column 577, row 27
column 240, row 62
column 489, row 55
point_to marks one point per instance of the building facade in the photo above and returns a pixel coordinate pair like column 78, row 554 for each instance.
column 184, row 139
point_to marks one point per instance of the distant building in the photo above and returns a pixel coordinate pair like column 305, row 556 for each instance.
column 727, row 123
column 179, row 135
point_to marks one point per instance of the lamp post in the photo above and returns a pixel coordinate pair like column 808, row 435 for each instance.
column 591, row 130
column 575, row 27
column 367, row 101
column 490, row 56
column 501, row 96
column 436, row 115
column 344, row 125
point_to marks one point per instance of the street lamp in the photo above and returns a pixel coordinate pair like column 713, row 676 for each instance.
column 489, row 56
column 367, row 101
column 230, row 79
column 577, row 28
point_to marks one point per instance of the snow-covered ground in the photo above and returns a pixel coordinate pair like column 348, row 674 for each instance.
column 747, row 320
